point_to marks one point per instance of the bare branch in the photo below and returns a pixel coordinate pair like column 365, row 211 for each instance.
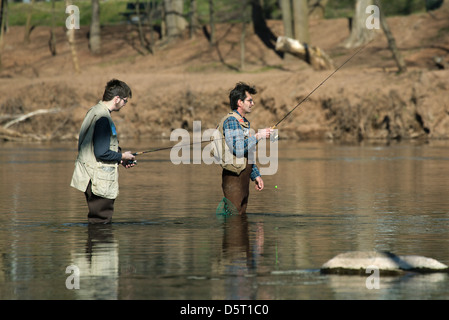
column 29, row 115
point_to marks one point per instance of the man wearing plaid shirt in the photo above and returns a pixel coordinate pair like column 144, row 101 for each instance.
column 236, row 132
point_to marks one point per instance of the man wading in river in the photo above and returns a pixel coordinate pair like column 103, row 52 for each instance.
column 234, row 130
column 96, row 167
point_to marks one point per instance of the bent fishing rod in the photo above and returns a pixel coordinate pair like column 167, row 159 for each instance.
column 282, row 119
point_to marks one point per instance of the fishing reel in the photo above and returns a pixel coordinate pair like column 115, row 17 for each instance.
column 130, row 162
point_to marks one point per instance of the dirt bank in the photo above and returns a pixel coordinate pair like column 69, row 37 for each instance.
column 189, row 80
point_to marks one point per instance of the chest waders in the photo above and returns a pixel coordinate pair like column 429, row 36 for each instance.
column 235, row 179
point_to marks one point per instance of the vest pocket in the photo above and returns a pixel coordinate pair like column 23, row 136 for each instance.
column 105, row 182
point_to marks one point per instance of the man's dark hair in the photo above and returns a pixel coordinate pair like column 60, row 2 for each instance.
column 239, row 93
column 116, row 88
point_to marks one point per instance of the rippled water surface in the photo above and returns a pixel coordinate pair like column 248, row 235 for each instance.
column 166, row 241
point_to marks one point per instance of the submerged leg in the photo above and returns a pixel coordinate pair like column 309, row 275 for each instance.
column 100, row 209
column 236, row 188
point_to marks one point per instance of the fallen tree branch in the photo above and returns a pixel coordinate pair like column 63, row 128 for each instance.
column 11, row 135
column 29, row 115
column 314, row 56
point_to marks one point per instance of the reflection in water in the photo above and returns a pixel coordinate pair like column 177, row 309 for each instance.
column 99, row 265
column 419, row 286
column 166, row 242
column 236, row 258
column 239, row 258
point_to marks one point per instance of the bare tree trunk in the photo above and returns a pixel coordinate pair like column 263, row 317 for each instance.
column 52, row 41
column 242, row 46
column 175, row 22
column 150, row 9
column 301, row 21
column 95, row 32
column 359, row 33
column 163, row 24
column 2, row 28
column 28, row 26
column 143, row 42
column 391, row 42
column 314, row 56
column 286, row 9
column 211, row 22
column 245, row 18
column 4, row 14
column 260, row 26
column 3, row 11
column 192, row 19
column 71, row 40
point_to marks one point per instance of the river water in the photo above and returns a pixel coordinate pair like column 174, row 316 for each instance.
column 166, row 241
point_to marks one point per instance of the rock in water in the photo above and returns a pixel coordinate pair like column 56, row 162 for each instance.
column 357, row 262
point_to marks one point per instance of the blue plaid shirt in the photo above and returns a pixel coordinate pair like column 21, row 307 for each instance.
column 237, row 142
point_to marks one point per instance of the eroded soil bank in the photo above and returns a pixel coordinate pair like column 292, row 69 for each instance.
column 188, row 80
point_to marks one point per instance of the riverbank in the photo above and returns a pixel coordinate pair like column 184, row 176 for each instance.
column 188, row 80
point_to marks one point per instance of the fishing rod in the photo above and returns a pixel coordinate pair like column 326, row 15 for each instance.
column 163, row 148
column 286, row 115
column 158, row 149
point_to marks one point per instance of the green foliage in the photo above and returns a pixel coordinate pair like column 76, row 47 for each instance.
column 230, row 11
column 402, row 7
column 42, row 12
column 339, row 9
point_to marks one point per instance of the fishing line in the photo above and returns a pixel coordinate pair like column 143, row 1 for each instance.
column 286, row 115
column 322, row 82
column 163, row 148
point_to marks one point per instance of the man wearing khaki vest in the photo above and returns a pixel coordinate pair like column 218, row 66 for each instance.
column 99, row 154
column 235, row 130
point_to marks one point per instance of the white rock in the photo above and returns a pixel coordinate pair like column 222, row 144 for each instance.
column 359, row 261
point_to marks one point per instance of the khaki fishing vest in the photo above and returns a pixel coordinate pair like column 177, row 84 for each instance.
column 221, row 151
column 104, row 175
